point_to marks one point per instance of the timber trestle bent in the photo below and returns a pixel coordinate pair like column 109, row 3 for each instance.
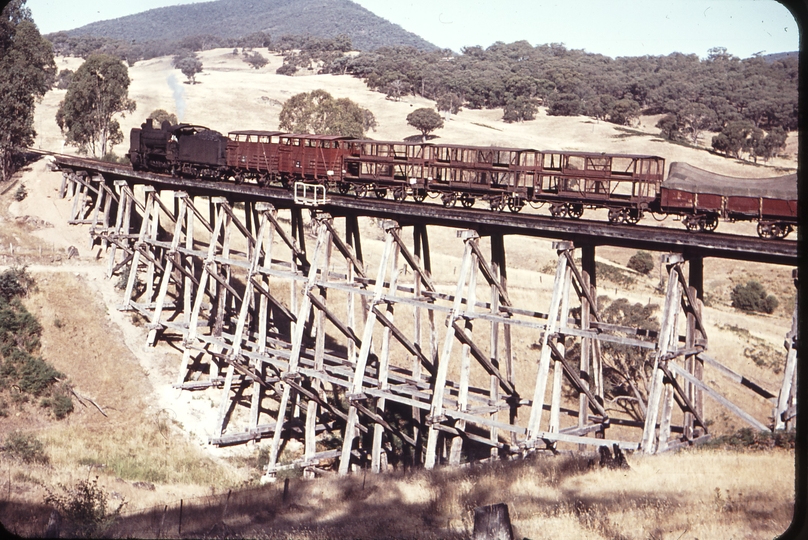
column 369, row 362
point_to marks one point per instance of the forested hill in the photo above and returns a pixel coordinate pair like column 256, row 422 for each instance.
column 237, row 18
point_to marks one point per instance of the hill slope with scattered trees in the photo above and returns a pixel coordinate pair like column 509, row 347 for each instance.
column 236, row 18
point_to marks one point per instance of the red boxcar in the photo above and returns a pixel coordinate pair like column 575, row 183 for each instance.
column 702, row 197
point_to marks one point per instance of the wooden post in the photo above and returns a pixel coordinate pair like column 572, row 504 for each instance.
column 787, row 396
column 492, row 523
column 323, row 237
column 356, row 394
column 377, row 464
column 436, row 409
column 585, row 360
column 558, row 370
column 534, row 424
column 465, row 363
column 667, row 329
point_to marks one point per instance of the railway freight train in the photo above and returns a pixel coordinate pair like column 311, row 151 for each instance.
column 627, row 185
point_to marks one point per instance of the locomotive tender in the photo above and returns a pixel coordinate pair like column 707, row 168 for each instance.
column 568, row 182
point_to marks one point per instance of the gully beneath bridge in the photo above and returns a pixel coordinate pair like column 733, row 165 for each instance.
column 368, row 368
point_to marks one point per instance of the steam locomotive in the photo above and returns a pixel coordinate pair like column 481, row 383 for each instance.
column 628, row 185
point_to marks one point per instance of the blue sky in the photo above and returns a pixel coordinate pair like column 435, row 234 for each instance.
column 610, row 27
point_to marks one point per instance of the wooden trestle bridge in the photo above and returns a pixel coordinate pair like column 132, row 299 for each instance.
column 306, row 343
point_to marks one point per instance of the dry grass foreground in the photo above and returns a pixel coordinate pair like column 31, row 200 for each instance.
column 692, row 494
column 146, row 447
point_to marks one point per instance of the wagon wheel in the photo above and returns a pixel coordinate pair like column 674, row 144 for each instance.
column 708, row 224
column 400, row 194
column 343, row 187
column 692, row 223
column 785, row 228
column 558, row 210
column 419, row 195
column 515, row 203
column 239, row 178
column 380, row 193
column 466, row 200
column 631, row 216
column 361, row 190
column 497, row 204
column 615, row 215
column 449, row 199
column 575, row 211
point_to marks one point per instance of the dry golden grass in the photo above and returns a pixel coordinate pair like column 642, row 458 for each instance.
column 693, row 494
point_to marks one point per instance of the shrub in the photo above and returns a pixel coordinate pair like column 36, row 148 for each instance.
column 256, row 60
column 21, row 193
column 753, row 297
column 15, row 282
column 84, row 506
column 642, row 262
column 59, row 402
column 36, row 376
column 286, row 69
column 25, row 447
column 754, row 440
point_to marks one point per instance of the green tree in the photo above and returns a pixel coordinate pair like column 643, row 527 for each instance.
column 627, row 374
column 27, row 71
column 425, row 120
column 318, row 112
column 99, row 91
column 160, row 115
column 768, row 145
column 753, row 297
column 566, row 104
column 642, row 262
column 669, row 127
column 256, row 60
column 449, row 103
column 734, row 138
column 189, row 64
column 623, row 112
column 519, row 109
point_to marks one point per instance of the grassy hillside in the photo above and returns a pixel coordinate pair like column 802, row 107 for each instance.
column 236, row 18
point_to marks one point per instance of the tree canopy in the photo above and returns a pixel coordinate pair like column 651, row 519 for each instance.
column 425, row 120
column 27, row 71
column 319, row 112
column 189, row 63
column 701, row 94
column 98, row 91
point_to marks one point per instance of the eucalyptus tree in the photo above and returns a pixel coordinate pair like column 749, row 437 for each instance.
column 27, row 71
column 97, row 93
